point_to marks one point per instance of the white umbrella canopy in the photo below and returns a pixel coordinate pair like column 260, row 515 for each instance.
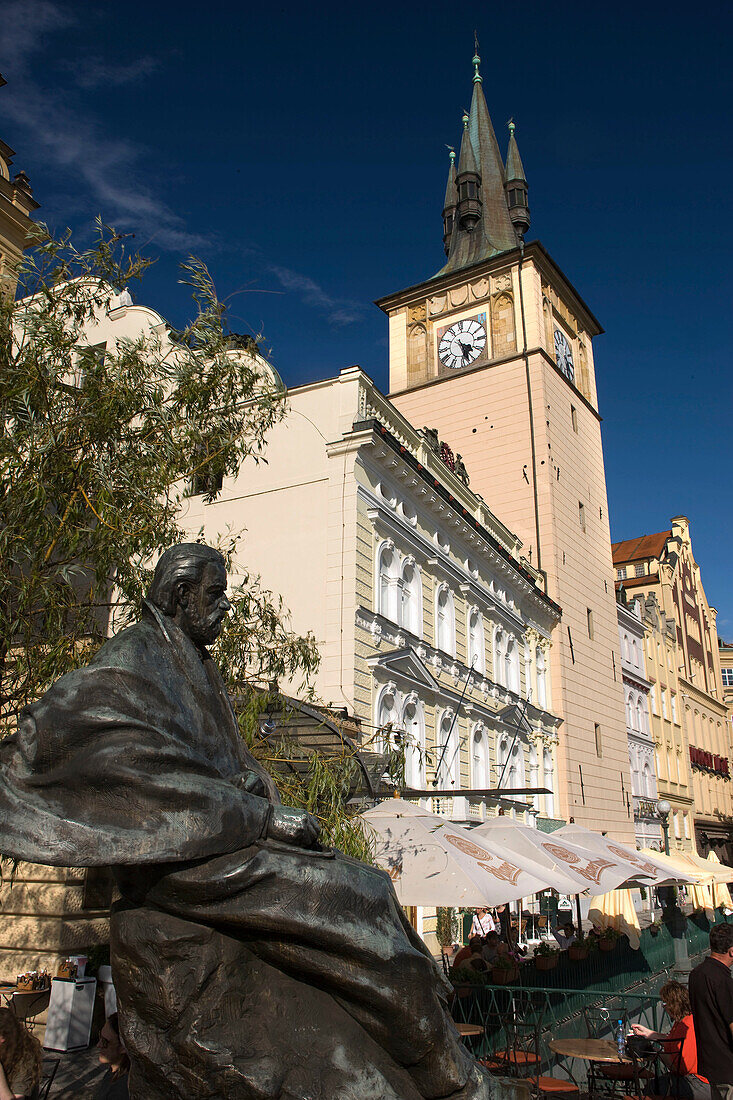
column 518, row 840
column 431, row 861
column 642, row 868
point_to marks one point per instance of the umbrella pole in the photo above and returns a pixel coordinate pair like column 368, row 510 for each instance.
column 577, row 913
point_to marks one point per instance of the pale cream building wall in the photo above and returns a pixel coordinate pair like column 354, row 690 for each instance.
column 524, row 430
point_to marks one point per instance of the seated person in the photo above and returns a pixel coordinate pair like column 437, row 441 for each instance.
column 112, row 1053
column 490, row 950
column 473, row 950
column 566, row 935
column 20, row 1059
column 679, row 1053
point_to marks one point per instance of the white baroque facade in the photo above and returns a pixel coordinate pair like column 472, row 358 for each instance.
column 638, row 729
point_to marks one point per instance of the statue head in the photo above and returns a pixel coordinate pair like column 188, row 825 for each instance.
column 189, row 585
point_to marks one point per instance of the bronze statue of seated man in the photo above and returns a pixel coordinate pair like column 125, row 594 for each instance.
column 249, row 962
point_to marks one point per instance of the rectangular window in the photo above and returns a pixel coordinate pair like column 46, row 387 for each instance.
column 620, row 574
column 727, row 677
column 574, row 418
column 589, row 616
column 653, row 697
column 581, row 515
column 665, row 712
column 676, row 819
column 674, row 707
column 686, row 823
column 639, row 569
column 599, row 745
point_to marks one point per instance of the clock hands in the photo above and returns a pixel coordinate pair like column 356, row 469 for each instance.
column 465, row 348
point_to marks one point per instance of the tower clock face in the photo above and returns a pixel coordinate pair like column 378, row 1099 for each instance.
column 462, row 343
column 564, row 355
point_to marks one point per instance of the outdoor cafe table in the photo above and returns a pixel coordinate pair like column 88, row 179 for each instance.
column 589, row 1050
column 468, row 1030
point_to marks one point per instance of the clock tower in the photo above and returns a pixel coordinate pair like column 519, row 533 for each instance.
column 495, row 351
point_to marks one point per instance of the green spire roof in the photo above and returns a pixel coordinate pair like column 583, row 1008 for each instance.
column 467, row 160
column 494, row 233
column 450, row 188
column 514, row 169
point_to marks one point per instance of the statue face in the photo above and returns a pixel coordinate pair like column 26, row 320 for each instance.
column 203, row 607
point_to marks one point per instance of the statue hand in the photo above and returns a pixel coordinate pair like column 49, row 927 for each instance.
column 252, row 783
column 293, row 827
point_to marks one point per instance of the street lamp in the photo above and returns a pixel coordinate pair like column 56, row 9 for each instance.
column 663, row 810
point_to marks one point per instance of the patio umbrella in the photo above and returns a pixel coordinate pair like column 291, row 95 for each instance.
column 645, row 867
column 701, row 899
column 432, row 861
column 690, row 868
column 601, row 870
column 616, row 910
column 721, row 893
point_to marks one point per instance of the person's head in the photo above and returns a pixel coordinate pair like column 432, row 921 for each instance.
column 676, row 1000
column 502, row 948
column 20, row 1053
column 569, row 928
column 721, row 943
column 482, row 911
column 112, row 1051
column 477, row 963
column 492, row 939
column 189, row 584
column 475, row 943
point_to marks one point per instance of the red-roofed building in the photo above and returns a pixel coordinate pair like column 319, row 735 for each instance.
column 689, row 717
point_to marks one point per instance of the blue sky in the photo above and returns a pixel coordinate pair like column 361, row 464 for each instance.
column 300, row 150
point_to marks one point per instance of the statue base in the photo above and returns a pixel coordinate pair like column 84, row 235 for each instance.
column 204, row 1019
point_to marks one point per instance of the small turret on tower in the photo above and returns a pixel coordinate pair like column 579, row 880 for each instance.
column 449, row 206
column 468, row 183
column 516, row 187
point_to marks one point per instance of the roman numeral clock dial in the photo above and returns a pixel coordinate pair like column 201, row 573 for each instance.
column 564, row 355
column 462, row 343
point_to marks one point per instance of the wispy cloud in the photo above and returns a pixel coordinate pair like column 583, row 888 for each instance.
column 72, row 140
column 98, row 73
column 339, row 311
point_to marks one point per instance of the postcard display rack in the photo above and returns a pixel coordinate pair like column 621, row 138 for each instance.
column 70, row 1013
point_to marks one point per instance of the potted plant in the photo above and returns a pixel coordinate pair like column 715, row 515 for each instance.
column 545, row 957
column 580, row 949
column 655, row 928
column 505, row 969
column 608, row 939
column 446, row 928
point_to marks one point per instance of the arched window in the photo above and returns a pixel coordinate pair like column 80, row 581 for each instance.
column 476, row 655
column 510, row 760
column 639, row 720
column 541, row 678
column 448, row 762
column 647, row 782
column 388, row 582
column 634, row 652
column 413, row 723
column 480, row 767
column 548, row 780
column 511, row 664
column 411, row 617
column 629, row 711
column 534, row 774
column 445, row 622
column 385, row 718
column 499, row 650
column 625, row 647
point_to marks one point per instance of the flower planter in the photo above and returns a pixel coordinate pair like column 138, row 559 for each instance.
column 653, row 931
column 577, row 954
column 503, row 977
column 607, row 945
column 545, row 962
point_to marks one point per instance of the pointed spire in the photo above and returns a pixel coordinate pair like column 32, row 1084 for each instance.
column 514, row 168
column 476, row 239
column 476, row 61
column 516, row 186
column 467, row 159
column 451, row 200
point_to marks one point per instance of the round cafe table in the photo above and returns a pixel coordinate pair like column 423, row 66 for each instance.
column 468, row 1030
column 588, row 1050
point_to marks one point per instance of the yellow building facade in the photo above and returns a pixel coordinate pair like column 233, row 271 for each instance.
column 689, row 713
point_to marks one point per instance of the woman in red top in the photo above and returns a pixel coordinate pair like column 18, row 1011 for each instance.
column 679, row 1047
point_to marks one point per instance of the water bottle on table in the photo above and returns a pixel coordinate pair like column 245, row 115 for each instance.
column 620, row 1040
